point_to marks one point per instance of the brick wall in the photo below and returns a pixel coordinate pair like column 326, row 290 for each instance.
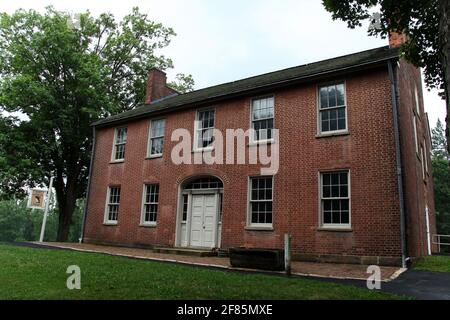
column 368, row 151
column 418, row 191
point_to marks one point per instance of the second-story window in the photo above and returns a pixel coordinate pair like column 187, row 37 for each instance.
column 416, row 98
column 156, row 142
column 120, row 141
column 262, row 119
column 332, row 109
column 204, row 129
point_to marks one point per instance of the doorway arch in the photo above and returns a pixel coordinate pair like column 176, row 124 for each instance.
column 199, row 218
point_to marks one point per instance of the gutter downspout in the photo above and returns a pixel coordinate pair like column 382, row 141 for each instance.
column 83, row 225
column 392, row 77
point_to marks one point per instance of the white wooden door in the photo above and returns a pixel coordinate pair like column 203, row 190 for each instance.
column 204, row 221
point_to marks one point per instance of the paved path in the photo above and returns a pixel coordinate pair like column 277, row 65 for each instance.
column 422, row 285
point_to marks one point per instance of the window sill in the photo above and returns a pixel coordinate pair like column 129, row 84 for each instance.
column 156, row 156
column 334, row 229
column 332, row 134
column 110, row 224
column 206, row 150
column 261, row 143
column 117, row 161
column 259, row 229
column 148, row 225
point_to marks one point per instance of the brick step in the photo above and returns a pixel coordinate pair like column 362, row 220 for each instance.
column 186, row 252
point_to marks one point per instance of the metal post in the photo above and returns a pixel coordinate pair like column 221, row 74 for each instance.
column 287, row 253
column 47, row 204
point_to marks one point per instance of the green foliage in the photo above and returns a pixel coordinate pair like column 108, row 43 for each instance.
column 183, row 83
column 440, row 150
column 441, row 179
column 62, row 77
column 433, row 264
column 18, row 223
column 426, row 24
column 41, row 274
column 419, row 19
column 441, row 176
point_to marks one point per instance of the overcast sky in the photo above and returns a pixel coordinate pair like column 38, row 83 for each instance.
column 222, row 41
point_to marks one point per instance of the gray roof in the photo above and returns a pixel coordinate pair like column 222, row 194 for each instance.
column 260, row 83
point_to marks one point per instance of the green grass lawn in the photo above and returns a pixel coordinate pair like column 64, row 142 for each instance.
column 434, row 263
column 41, row 274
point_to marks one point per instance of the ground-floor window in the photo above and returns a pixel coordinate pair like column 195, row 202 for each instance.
column 335, row 199
column 112, row 205
column 150, row 204
column 261, row 198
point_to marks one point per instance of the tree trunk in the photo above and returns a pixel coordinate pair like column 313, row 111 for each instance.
column 444, row 27
column 66, row 195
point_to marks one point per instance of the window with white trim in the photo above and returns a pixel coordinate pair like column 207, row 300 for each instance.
column 426, row 155
column 332, row 108
column 150, row 204
column 120, row 141
column 156, row 142
column 204, row 129
column 416, row 97
column 423, row 158
column 335, row 199
column 112, row 205
column 416, row 139
column 263, row 119
column 261, row 201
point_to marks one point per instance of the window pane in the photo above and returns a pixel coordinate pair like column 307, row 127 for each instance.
column 340, row 94
column 335, row 202
column 332, row 96
column 261, row 200
column 324, row 98
column 151, row 202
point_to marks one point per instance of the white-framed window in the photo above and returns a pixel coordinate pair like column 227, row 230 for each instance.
column 335, row 199
column 423, row 158
column 332, row 109
column 156, row 138
column 416, row 139
column 112, row 205
column 260, row 202
column 150, row 204
column 262, row 119
column 204, row 129
column 120, row 141
column 426, row 156
column 416, row 97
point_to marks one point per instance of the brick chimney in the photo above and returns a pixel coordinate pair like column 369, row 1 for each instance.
column 397, row 39
column 157, row 86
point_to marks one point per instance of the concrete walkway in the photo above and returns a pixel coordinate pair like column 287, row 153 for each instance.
column 319, row 270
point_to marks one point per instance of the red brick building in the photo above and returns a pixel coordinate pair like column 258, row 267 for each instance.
column 354, row 182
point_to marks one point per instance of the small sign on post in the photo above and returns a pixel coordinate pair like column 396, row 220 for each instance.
column 40, row 199
column 36, row 199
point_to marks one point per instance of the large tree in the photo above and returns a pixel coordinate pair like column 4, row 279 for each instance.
column 441, row 177
column 60, row 73
column 427, row 24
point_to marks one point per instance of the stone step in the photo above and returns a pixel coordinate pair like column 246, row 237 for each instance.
column 186, row 252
